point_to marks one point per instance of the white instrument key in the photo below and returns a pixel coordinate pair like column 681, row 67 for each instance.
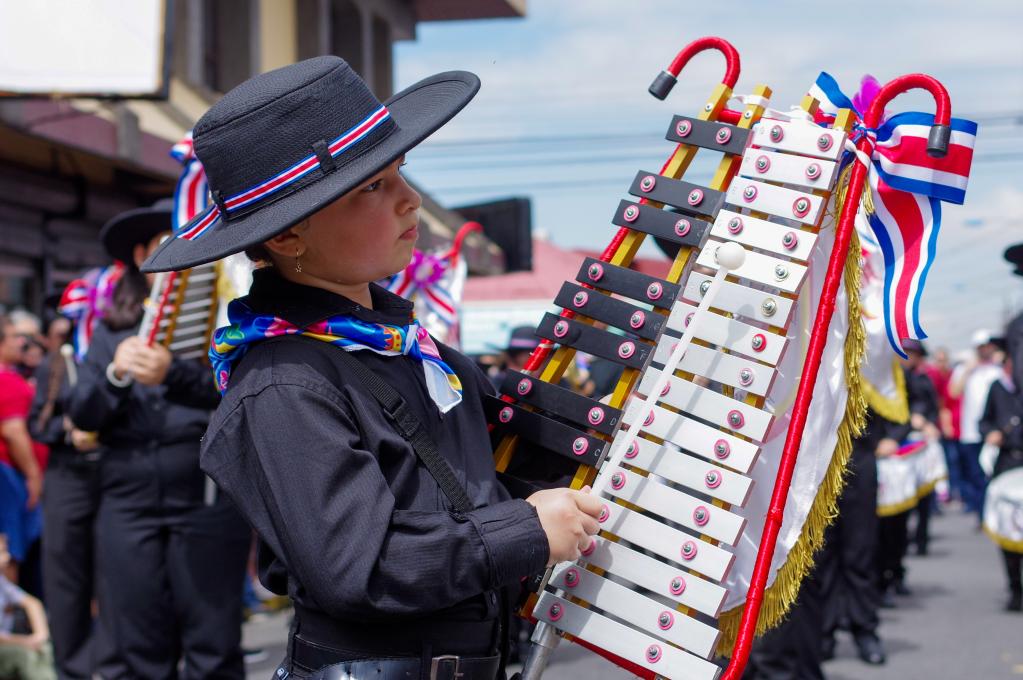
column 736, row 298
column 706, row 404
column 669, row 462
column 771, row 166
column 666, row 660
column 802, row 137
column 764, row 235
column 672, row 544
column 644, row 612
column 765, row 269
column 775, row 200
column 703, row 440
column 658, row 577
column 729, row 369
column 735, row 336
column 662, row 500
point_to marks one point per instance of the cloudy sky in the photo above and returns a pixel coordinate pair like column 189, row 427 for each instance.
column 564, row 117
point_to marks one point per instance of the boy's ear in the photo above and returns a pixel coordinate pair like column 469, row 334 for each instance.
column 284, row 243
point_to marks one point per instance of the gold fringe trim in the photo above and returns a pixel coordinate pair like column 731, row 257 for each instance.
column 895, row 409
column 780, row 595
column 897, row 508
column 1004, row 543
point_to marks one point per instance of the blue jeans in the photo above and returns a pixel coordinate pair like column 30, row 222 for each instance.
column 972, row 480
column 955, row 485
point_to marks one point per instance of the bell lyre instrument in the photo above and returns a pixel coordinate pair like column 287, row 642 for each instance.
column 695, row 451
column 181, row 311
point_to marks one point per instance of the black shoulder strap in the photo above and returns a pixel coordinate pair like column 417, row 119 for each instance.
column 412, row 430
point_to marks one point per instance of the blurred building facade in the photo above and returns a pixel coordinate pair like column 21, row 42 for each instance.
column 67, row 165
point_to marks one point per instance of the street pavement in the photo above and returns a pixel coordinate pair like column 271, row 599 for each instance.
column 952, row 627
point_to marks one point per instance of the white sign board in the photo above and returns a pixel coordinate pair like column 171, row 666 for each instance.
column 486, row 326
column 117, row 48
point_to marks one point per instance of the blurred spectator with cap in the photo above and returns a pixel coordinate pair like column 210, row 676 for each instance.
column 521, row 343
column 971, row 381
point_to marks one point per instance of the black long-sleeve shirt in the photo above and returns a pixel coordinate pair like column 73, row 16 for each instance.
column 357, row 528
column 1003, row 412
column 176, row 411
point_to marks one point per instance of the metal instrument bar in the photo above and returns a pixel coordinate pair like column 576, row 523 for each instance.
column 735, row 298
column 679, row 507
column 673, row 464
column 774, row 200
column 770, row 236
column 645, row 613
column 710, row 406
column 612, row 311
column 703, row 440
column 729, row 369
column 664, row 659
column 735, row 336
column 628, row 283
column 691, row 199
column 562, row 402
column 595, row 341
column 670, row 226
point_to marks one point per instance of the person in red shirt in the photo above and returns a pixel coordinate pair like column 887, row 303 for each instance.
column 21, row 466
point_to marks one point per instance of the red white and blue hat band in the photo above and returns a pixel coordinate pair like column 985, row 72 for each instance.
column 287, row 178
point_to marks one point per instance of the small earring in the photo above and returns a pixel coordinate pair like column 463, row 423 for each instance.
column 298, row 264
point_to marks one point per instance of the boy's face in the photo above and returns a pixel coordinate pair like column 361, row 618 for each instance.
column 367, row 234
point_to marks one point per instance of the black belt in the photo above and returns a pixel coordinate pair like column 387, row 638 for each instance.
column 328, row 666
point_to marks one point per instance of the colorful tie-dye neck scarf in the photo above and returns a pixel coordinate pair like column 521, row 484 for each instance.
column 230, row 343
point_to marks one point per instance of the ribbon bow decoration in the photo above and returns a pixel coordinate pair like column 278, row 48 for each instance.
column 85, row 301
column 191, row 196
column 433, row 281
column 906, row 189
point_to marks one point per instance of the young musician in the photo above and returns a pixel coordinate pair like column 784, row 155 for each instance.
column 353, row 443
column 170, row 564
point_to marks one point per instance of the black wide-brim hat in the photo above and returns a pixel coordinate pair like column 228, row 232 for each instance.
column 122, row 233
column 1014, row 256
column 283, row 145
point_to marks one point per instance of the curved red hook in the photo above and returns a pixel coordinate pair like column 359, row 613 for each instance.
column 937, row 140
column 937, row 144
column 666, row 79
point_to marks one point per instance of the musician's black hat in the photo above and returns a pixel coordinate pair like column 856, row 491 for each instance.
column 283, row 145
column 121, row 234
column 1014, row 256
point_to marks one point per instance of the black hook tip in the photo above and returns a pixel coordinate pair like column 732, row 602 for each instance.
column 937, row 140
column 662, row 85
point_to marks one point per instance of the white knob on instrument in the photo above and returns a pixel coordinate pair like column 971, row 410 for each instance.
column 730, row 255
column 68, row 354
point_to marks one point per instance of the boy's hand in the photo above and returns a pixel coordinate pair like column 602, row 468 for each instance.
column 887, row 447
column 569, row 518
column 148, row 365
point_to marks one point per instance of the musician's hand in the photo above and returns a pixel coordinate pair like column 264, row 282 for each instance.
column 569, row 518
column 84, row 441
column 124, row 356
column 994, row 438
column 151, row 364
column 887, row 447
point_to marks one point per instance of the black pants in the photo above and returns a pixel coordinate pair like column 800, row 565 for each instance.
column 922, row 533
column 846, row 564
column 792, row 651
column 171, row 568
column 1014, row 570
column 70, row 505
column 893, row 538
